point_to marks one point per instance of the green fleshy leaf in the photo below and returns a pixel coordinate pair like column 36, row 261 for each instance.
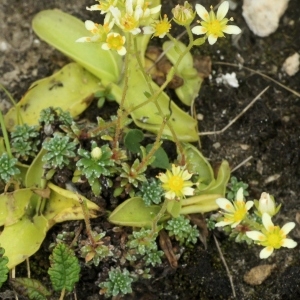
column 134, row 212
column 174, row 207
column 72, row 85
column 161, row 157
column 35, row 172
column 199, row 41
column 65, row 269
column 198, row 164
column 13, row 206
column 192, row 81
column 61, row 30
column 132, row 140
column 30, row 233
column 3, row 266
column 31, row 288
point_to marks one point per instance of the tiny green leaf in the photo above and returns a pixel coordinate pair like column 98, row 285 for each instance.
column 3, row 266
column 64, row 270
column 161, row 157
column 132, row 140
column 30, row 288
column 199, row 42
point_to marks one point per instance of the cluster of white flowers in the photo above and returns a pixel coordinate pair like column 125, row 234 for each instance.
column 128, row 15
column 270, row 236
column 137, row 17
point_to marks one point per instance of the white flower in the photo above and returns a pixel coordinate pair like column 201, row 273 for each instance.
column 266, row 204
column 214, row 26
column 158, row 28
column 99, row 32
column 115, row 41
column 147, row 12
column 272, row 237
column 104, row 6
column 177, row 183
column 235, row 212
column 129, row 20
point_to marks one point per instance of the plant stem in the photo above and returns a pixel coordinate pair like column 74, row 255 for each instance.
column 85, row 211
column 159, row 215
column 154, row 148
column 5, row 136
column 125, row 88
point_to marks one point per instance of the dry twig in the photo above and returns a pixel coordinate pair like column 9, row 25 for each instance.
column 226, row 267
column 237, row 117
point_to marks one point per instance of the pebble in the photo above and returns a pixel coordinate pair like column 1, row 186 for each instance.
column 262, row 16
column 258, row 274
column 291, row 64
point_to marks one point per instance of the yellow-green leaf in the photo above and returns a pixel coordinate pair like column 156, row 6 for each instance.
column 133, row 212
column 61, row 31
column 72, row 88
column 64, row 205
column 13, row 206
column 23, row 238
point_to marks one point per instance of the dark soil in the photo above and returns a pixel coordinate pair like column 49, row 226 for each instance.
column 268, row 131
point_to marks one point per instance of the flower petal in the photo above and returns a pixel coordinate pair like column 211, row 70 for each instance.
column 266, row 252
column 188, row 191
column 155, row 9
column 148, row 30
column 225, row 204
column 83, row 39
column 223, row 223
column 222, row 10
column 267, row 222
column 212, row 38
column 105, row 46
column 163, row 177
column 232, row 29
column 175, row 170
column 202, row 12
column 94, row 7
column 249, row 204
column 122, row 51
column 199, row 30
column 287, row 227
column 186, row 175
column 255, row 235
column 289, row 243
column 236, row 224
column 240, row 195
column 90, row 25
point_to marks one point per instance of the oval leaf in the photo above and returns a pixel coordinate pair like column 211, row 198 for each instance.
column 133, row 212
column 23, row 239
column 72, row 88
column 64, row 270
column 31, row 288
column 61, row 31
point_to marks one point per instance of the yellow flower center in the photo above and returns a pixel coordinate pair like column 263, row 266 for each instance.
column 175, row 183
column 240, row 211
column 274, row 238
column 129, row 23
column 214, row 27
column 115, row 42
column 162, row 27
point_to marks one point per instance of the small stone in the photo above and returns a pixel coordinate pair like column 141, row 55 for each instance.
column 291, row 64
column 217, row 145
column 262, row 17
column 244, row 146
column 230, row 79
column 259, row 274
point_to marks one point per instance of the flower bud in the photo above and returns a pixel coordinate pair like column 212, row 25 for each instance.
column 266, row 205
column 183, row 14
column 96, row 153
